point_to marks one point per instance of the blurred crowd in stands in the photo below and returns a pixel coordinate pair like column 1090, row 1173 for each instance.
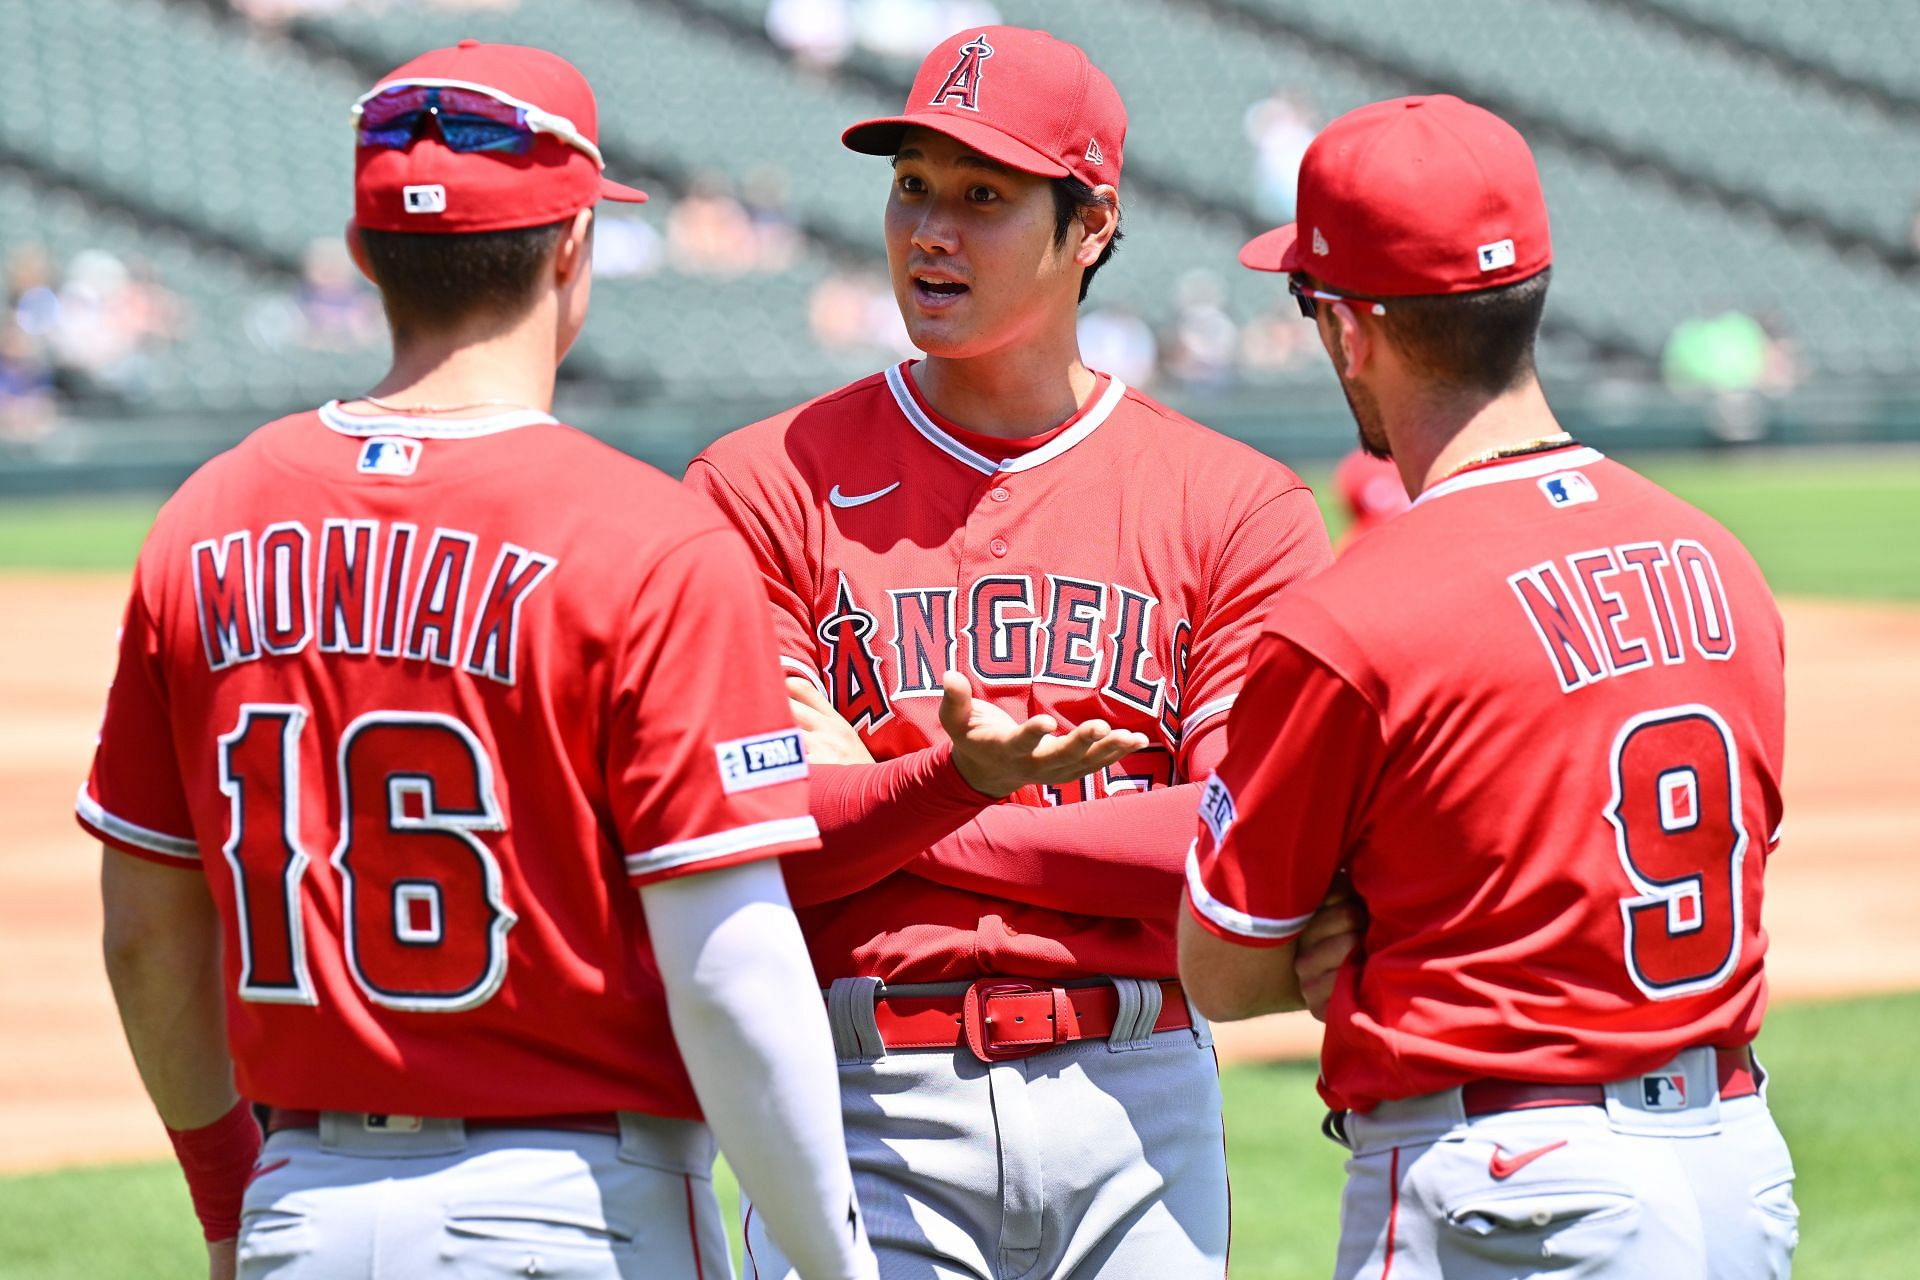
column 85, row 330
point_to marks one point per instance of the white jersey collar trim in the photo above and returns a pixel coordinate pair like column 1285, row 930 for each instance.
column 397, row 424
column 939, row 438
column 1517, row 469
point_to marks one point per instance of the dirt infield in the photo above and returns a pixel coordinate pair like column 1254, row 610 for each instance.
column 1841, row 900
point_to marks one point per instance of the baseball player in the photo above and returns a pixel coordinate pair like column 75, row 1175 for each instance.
column 1370, row 492
column 999, row 533
column 396, row 733
column 1536, row 720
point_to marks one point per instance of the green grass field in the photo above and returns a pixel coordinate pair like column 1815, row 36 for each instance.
column 1820, row 524
column 1844, row 1090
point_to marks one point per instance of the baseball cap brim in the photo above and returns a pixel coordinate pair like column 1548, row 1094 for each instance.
column 611, row 190
column 1272, row 250
column 882, row 138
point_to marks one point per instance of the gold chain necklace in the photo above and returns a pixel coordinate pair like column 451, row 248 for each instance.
column 444, row 408
column 1539, row 444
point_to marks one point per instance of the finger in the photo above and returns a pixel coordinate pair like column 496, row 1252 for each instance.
column 956, row 703
column 804, row 692
column 805, row 716
column 1331, row 921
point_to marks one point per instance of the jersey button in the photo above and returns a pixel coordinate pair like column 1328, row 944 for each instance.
column 1000, row 495
column 998, row 546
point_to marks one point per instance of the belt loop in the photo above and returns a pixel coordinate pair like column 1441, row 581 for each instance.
column 1139, row 1009
column 856, row 1035
column 1334, row 1126
column 1202, row 1029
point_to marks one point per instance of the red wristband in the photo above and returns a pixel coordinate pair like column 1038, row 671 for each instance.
column 217, row 1159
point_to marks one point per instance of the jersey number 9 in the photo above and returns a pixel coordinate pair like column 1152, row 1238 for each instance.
column 1676, row 818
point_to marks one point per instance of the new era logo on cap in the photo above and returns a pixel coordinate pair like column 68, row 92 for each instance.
column 1094, row 154
column 1320, row 243
column 429, row 197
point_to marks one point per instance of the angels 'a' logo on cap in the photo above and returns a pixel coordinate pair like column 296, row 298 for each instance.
column 1320, row 243
column 962, row 85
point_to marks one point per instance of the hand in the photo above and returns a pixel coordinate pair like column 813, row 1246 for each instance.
column 221, row 1260
column 997, row 756
column 828, row 738
column 1331, row 937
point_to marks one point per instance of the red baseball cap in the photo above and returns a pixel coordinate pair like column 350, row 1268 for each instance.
column 427, row 186
column 1410, row 197
column 1370, row 488
column 1021, row 97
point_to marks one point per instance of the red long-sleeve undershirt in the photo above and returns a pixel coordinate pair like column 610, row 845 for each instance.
column 1122, row 856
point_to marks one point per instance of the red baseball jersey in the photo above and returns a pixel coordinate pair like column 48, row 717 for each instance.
column 1116, row 567
column 424, row 699
column 1538, row 721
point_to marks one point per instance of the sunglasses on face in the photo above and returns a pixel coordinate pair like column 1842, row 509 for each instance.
column 469, row 117
column 1310, row 298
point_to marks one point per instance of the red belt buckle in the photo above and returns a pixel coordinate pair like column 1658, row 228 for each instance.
column 1006, row 1019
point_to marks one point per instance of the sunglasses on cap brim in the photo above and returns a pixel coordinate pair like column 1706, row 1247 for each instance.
column 1310, row 298
column 470, row 117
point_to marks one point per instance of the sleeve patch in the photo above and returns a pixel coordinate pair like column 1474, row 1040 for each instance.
column 1216, row 809
column 762, row 761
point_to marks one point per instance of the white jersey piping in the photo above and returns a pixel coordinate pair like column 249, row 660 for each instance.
column 721, row 844
column 132, row 833
column 1232, row 919
column 940, row 439
column 1518, row 469
column 395, row 424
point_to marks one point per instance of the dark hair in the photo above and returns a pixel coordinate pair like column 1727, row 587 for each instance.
column 435, row 283
column 1070, row 196
column 1471, row 342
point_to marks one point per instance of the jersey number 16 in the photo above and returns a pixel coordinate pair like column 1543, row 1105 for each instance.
column 424, row 922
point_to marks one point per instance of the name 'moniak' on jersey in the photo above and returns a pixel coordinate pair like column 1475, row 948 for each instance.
column 435, row 595
column 1617, row 609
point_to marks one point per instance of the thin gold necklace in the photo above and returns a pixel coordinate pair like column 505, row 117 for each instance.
column 443, row 408
column 1539, row 444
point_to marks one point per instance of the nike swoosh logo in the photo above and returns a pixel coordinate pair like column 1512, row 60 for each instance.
column 1503, row 1166
column 262, row 1170
column 842, row 500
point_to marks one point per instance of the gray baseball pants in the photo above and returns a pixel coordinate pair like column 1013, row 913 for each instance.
column 351, row 1202
column 1100, row 1157
column 1698, row 1189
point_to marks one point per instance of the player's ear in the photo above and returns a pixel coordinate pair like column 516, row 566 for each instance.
column 1355, row 345
column 575, row 253
column 357, row 250
column 1098, row 222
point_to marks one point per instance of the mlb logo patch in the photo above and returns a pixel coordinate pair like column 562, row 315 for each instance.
column 746, row 763
column 389, row 456
column 391, row 1124
column 1664, row 1093
column 428, row 197
column 1568, row 489
column 1496, row 255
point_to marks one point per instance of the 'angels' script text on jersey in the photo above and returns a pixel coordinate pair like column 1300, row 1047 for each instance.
column 1007, row 629
column 357, row 589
